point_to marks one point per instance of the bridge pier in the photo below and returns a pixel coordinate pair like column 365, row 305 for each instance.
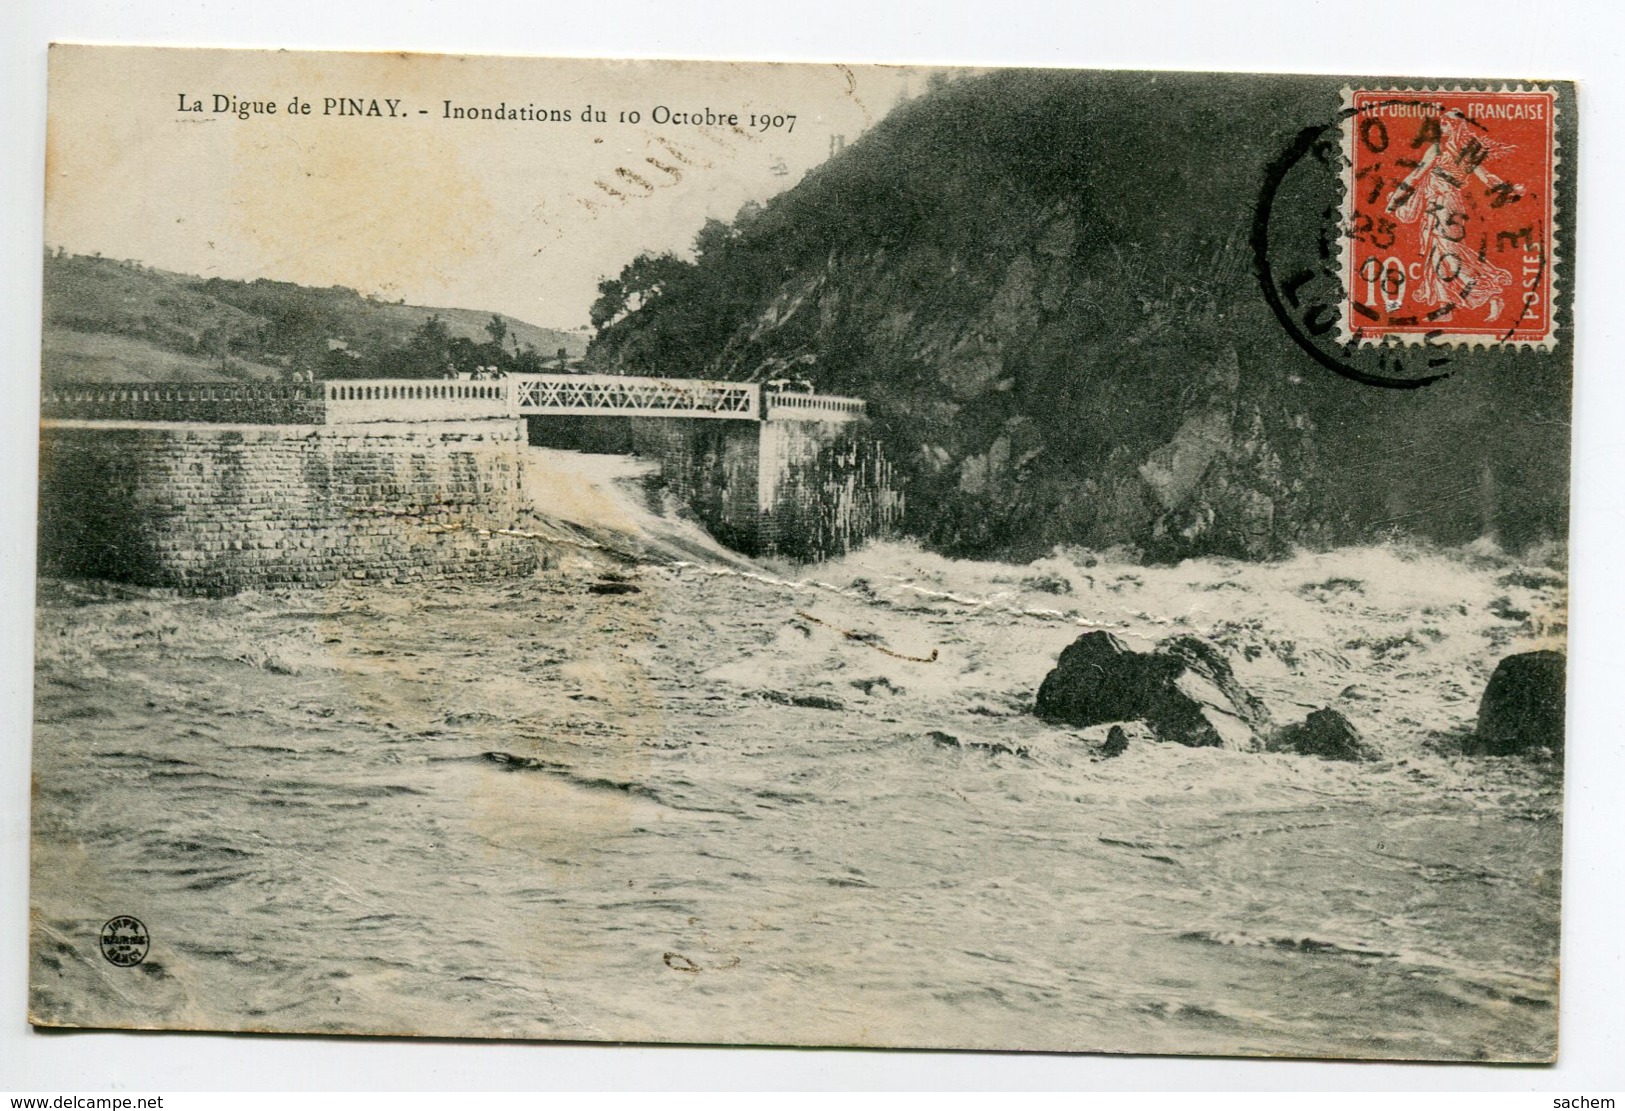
column 766, row 472
column 804, row 490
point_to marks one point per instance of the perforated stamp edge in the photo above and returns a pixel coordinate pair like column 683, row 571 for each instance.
column 1346, row 334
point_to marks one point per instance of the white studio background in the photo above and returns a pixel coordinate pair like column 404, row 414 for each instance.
column 1531, row 39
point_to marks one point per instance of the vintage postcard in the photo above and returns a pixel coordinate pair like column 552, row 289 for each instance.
column 803, row 554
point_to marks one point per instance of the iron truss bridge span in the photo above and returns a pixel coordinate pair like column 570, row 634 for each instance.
column 591, row 395
column 609, row 395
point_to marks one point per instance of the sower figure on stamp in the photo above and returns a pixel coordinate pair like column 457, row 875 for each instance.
column 1454, row 273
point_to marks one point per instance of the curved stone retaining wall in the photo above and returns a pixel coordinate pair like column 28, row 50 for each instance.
column 217, row 508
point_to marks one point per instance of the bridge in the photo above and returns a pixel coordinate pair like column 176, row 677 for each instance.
column 360, row 401
column 221, row 485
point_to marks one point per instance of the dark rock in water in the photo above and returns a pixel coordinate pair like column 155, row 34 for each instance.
column 1096, row 680
column 1522, row 708
column 1327, row 734
column 810, row 701
column 1184, row 690
column 1116, row 743
column 1048, row 583
column 613, row 588
column 1223, row 706
column 877, row 685
column 970, row 744
column 509, row 762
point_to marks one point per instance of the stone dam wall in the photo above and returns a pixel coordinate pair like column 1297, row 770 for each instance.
column 217, row 508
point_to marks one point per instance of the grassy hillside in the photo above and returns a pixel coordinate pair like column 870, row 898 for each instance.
column 69, row 356
column 108, row 320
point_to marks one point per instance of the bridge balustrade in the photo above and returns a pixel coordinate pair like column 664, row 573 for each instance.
column 356, row 401
column 811, row 406
column 361, row 401
column 207, row 402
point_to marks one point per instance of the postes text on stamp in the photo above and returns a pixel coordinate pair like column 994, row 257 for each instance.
column 1449, row 216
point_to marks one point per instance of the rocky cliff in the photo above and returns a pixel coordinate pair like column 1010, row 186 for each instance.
column 1043, row 285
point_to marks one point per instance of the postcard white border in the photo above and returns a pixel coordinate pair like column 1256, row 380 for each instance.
column 1561, row 40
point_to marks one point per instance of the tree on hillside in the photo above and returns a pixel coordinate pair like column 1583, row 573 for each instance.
column 429, row 349
column 712, row 240
column 686, row 311
column 528, row 360
column 641, row 281
column 497, row 329
column 427, row 353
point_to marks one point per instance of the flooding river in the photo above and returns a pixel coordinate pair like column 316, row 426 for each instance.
column 736, row 808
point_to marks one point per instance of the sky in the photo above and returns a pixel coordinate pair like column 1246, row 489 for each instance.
column 174, row 158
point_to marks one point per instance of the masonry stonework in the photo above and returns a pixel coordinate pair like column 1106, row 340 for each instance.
column 824, row 488
column 216, row 508
column 805, row 490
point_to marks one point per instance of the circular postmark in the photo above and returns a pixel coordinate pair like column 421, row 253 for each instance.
column 1311, row 225
column 1297, row 256
column 124, row 941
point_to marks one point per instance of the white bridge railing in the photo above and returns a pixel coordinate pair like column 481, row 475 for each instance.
column 358, row 401
column 811, row 406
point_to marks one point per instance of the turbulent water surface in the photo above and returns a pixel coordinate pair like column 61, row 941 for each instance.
column 728, row 808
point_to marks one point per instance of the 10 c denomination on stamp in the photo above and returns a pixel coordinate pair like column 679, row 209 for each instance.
column 1449, row 216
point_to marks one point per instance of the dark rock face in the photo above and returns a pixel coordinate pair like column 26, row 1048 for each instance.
column 1034, row 385
column 1327, row 734
column 1522, row 708
column 1184, row 690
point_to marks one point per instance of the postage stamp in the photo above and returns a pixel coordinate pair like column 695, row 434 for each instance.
column 1450, row 232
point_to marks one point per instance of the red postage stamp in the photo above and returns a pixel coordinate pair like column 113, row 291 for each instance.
column 1449, row 216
